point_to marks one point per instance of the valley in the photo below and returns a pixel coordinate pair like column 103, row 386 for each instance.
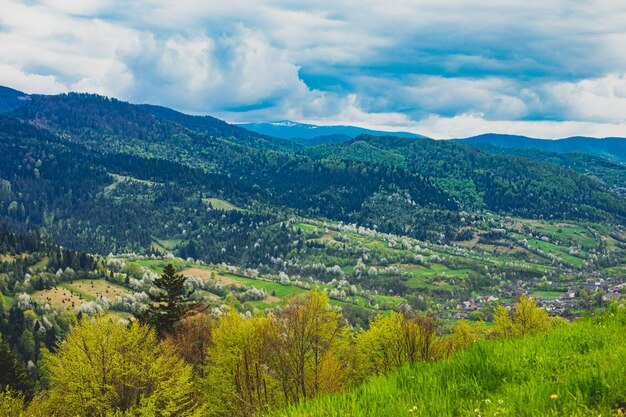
column 99, row 197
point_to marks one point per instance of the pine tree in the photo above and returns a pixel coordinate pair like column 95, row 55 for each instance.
column 13, row 374
column 171, row 303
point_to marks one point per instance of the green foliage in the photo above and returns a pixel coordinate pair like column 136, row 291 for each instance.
column 573, row 370
column 11, row 403
column 104, row 367
column 611, row 172
column 13, row 375
column 525, row 318
column 237, row 382
column 171, row 303
column 397, row 339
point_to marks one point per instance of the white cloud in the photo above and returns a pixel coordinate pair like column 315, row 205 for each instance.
column 440, row 67
column 470, row 125
column 597, row 99
column 30, row 83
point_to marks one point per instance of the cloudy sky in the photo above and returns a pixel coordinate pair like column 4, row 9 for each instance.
column 443, row 68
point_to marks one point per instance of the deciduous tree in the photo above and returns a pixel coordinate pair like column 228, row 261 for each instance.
column 523, row 319
column 106, row 367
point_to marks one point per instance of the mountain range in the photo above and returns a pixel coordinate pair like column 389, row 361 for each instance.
column 312, row 135
column 609, row 148
column 289, row 136
column 100, row 140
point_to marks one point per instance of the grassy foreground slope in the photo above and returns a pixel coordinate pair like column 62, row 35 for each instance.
column 574, row 370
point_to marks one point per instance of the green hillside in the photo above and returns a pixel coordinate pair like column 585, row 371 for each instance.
column 576, row 369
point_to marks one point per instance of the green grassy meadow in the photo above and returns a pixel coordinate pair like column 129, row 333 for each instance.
column 575, row 369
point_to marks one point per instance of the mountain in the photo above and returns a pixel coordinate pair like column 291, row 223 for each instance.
column 312, row 135
column 211, row 126
column 476, row 180
column 11, row 99
column 113, row 126
column 609, row 148
column 409, row 186
column 610, row 173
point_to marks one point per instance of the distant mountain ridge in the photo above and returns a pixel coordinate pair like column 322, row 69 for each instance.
column 313, row 135
column 11, row 99
column 212, row 126
column 610, row 148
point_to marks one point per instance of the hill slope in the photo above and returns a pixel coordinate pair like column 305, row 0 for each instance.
column 611, row 173
column 475, row 179
column 211, row 126
column 408, row 186
column 574, row 370
column 11, row 99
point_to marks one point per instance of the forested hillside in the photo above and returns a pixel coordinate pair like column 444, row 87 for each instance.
column 478, row 180
column 610, row 173
column 442, row 174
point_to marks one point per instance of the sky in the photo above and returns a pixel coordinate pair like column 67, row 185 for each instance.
column 442, row 68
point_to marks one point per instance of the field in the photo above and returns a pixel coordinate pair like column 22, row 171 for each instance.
column 74, row 293
column 559, row 251
column 279, row 294
column 574, row 370
column 566, row 232
column 219, row 204
column 118, row 179
column 93, row 289
column 165, row 245
column 59, row 297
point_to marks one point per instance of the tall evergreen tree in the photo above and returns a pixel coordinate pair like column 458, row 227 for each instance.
column 171, row 303
column 13, row 374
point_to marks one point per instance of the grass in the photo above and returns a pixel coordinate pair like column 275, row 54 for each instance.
column 219, row 204
column 41, row 265
column 422, row 277
column 573, row 370
column 165, row 245
column 559, row 251
column 566, row 232
column 547, row 294
column 74, row 293
column 122, row 178
column 93, row 289
column 306, row 227
column 60, row 297
column 275, row 289
column 279, row 294
column 283, row 292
